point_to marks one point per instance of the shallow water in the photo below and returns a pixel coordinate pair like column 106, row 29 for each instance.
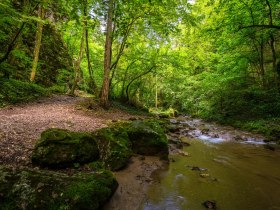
column 238, row 177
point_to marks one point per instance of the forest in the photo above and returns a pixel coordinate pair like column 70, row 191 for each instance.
column 190, row 69
column 218, row 60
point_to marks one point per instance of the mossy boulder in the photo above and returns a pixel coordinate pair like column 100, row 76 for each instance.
column 111, row 146
column 114, row 146
column 59, row 148
column 33, row 189
column 148, row 138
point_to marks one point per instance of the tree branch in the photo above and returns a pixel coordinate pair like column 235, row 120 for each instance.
column 261, row 26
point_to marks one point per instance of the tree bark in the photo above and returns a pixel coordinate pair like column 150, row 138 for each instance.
column 272, row 46
column 77, row 63
column 135, row 78
column 124, row 79
column 38, row 39
column 261, row 60
column 92, row 83
column 262, row 26
column 104, row 96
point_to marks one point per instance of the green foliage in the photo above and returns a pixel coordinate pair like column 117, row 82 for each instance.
column 268, row 127
column 130, row 108
column 14, row 91
column 213, row 59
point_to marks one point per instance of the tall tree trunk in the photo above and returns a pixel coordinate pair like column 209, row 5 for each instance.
column 38, row 39
column 272, row 46
column 120, row 52
column 104, row 101
column 135, row 78
column 262, row 68
column 156, row 97
column 92, row 83
column 124, row 79
column 77, row 64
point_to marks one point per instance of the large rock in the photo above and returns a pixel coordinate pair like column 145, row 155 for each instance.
column 148, row 138
column 59, row 148
column 114, row 147
column 32, row 189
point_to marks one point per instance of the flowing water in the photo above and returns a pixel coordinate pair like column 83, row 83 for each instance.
column 234, row 175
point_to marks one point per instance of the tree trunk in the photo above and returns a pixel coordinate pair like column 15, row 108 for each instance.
column 39, row 31
column 135, row 78
column 92, row 83
column 262, row 73
column 156, row 99
column 107, row 58
column 272, row 46
column 124, row 79
column 77, row 64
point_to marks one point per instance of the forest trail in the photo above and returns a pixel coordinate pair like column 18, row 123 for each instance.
column 21, row 125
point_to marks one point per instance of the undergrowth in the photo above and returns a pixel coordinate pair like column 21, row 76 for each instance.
column 15, row 91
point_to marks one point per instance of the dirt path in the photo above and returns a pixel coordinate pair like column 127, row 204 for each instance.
column 21, row 125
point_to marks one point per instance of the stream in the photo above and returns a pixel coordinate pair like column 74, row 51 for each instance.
column 231, row 169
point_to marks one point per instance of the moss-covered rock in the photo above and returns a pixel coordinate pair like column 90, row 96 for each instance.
column 148, row 138
column 114, row 146
column 59, row 148
column 32, row 189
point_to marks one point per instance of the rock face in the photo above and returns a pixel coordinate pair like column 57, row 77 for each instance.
column 32, row 189
column 59, row 148
column 148, row 138
column 113, row 145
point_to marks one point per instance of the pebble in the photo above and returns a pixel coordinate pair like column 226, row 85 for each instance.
column 209, row 204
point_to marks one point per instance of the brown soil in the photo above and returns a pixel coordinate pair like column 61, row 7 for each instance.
column 21, row 125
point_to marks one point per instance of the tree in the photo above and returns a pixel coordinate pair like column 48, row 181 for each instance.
column 38, row 38
column 104, row 96
column 77, row 63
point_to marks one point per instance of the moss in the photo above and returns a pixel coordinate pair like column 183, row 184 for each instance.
column 96, row 165
column 31, row 189
column 15, row 91
column 59, row 148
column 114, row 147
column 148, row 138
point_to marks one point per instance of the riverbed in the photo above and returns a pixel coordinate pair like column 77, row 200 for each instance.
column 231, row 171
